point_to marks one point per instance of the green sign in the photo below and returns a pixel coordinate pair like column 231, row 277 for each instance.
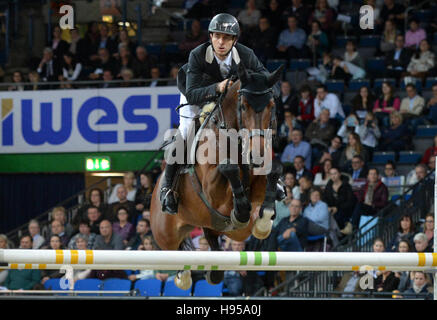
column 98, row 164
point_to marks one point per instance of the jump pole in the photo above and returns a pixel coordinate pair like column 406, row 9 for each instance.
column 221, row 260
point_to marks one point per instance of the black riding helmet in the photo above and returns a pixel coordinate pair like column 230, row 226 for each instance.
column 224, row 23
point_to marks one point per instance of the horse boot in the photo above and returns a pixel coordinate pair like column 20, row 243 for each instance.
column 167, row 197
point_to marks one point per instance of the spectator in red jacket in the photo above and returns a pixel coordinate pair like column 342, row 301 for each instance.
column 306, row 107
column 431, row 151
column 372, row 197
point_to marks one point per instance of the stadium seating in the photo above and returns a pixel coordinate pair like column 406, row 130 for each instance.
column 171, row 290
column 88, row 285
column 273, row 64
column 370, row 41
column 377, row 84
column 149, row 287
column 203, row 289
column 299, row 64
column 409, row 157
column 375, row 66
column 381, row 157
column 335, row 86
column 357, row 84
column 426, row 131
column 117, row 285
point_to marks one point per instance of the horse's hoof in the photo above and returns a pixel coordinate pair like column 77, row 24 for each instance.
column 238, row 224
column 263, row 226
column 215, row 277
column 183, row 280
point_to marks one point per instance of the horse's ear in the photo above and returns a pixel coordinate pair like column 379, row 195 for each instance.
column 275, row 76
column 243, row 75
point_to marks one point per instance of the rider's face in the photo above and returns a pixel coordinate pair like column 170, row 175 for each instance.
column 222, row 43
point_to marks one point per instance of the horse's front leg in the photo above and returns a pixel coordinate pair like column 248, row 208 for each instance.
column 240, row 215
column 263, row 224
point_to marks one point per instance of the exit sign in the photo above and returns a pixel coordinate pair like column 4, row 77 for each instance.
column 98, row 164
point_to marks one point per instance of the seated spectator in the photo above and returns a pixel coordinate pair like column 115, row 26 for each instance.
column 155, row 74
column 81, row 244
column 129, row 184
column 142, row 230
column 405, row 277
column 317, row 41
column 55, row 244
column 144, row 193
column 421, row 243
column 393, row 11
column 317, row 210
column 300, row 169
column 35, row 232
column 33, row 81
column 122, row 227
column 432, row 105
column 397, row 59
column 275, row 14
column 339, row 197
column 302, row 191
column 388, row 38
column 143, row 63
column 91, row 40
column 386, row 282
column 415, row 35
column 291, row 41
column 395, row 138
column 147, row 244
column 59, row 214
column 84, row 233
column 369, row 133
column 263, row 40
column 305, row 112
column 286, row 102
column 94, row 217
column 349, row 125
column 292, row 231
column 105, row 41
column 351, row 55
column 77, row 47
column 57, row 228
column 49, row 69
column 350, row 282
column 124, row 41
column 233, row 280
column 125, row 60
column 326, row 100
column 322, row 178
column 386, row 104
column 363, row 102
column 319, row 133
column 71, row 69
column 335, row 150
column 422, row 61
column 129, row 205
column 250, row 16
column 412, row 107
column 350, row 70
column 420, row 286
column 4, row 244
column 353, row 148
column 324, row 14
column 59, row 47
column 405, row 232
column 107, row 80
column 24, row 279
column 17, row 77
column 297, row 147
column 193, row 38
column 104, row 62
column 173, row 75
column 282, row 205
column 107, row 239
column 372, row 197
column 428, row 229
column 286, row 129
column 394, row 182
column 358, row 171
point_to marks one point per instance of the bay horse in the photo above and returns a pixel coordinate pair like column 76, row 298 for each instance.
column 225, row 197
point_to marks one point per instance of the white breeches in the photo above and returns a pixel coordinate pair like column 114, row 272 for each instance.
column 186, row 115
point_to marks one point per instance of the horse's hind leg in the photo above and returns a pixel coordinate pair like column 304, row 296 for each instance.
column 183, row 278
column 213, row 276
column 263, row 224
column 240, row 215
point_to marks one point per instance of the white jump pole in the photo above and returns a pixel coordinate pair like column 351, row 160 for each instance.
column 221, row 260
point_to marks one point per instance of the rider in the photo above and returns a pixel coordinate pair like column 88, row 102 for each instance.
column 209, row 68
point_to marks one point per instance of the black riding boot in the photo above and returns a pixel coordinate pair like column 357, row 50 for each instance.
column 168, row 200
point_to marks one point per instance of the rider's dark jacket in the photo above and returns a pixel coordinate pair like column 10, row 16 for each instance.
column 203, row 71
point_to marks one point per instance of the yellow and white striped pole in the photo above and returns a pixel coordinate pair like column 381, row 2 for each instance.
column 219, row 260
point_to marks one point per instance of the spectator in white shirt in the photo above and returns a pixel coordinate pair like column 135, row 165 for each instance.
column 326, row 100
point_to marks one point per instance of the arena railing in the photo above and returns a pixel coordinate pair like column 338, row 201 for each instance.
column 96, row 84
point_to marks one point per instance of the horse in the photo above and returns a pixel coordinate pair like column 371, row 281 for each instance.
column 225, row 197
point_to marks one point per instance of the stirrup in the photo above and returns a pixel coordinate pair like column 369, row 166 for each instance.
column 165, row 194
